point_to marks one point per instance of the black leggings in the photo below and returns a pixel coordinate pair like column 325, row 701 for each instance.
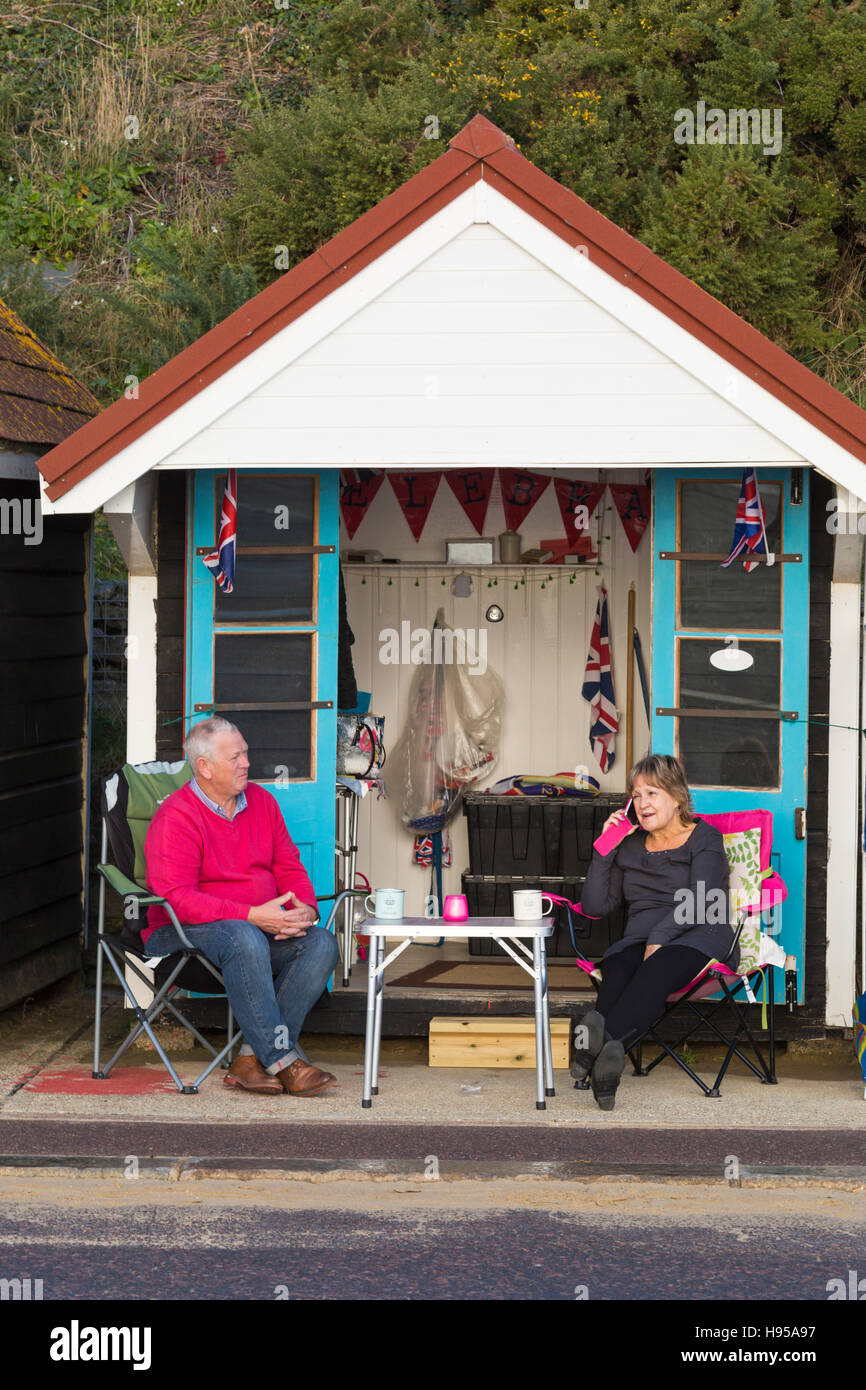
column 633, row 991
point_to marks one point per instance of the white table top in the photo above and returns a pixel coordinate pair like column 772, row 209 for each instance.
column 473, row 926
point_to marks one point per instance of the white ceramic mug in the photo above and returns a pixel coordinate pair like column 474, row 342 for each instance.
column 527, row 904
column 387, row 903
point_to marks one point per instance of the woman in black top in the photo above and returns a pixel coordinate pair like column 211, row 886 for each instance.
column 672, row 873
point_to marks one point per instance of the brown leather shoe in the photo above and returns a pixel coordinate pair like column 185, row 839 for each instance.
column 302, row 1079
column 248, row 1073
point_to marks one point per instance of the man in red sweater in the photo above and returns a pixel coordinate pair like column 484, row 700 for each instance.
column 219, row 852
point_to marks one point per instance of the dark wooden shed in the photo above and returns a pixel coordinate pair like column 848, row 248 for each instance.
column 45, row 581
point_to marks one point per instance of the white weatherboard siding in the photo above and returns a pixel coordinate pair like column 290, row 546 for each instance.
column 141, row 670
column 539, row 651
column 843, row 822
column 482, row 354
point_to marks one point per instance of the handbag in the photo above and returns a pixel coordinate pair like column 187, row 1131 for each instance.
column 360, row 744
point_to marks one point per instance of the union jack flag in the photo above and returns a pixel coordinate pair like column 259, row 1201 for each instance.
column 221, row 562
column 750, row 527
column 598, row 688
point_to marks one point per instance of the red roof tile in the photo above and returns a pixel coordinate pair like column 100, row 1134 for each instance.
column 40, row 402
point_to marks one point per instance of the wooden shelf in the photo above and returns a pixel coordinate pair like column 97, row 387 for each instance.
column 440, row 565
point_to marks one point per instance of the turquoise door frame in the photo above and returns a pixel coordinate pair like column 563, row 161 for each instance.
column 308, row 805
column 789, row 852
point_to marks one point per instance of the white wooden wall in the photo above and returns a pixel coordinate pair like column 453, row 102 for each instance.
column 539, row 651
column 479, row 353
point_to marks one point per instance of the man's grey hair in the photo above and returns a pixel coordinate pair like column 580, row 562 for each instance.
column 199, row 742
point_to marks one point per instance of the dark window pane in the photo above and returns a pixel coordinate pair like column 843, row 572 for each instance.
column 266, row 501
column 741, row 752
column 273, row 510
column 729, row 599
column 280, row 743
column 265, row 668
column 268, row 588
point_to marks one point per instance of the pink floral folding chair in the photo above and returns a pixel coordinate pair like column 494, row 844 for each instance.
column 756, row 894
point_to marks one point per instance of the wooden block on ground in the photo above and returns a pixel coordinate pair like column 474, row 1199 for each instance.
column 493, row 1042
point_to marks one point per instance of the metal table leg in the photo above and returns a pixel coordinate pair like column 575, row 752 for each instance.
column 540, row 1102
column 379, row 957
column 370, row 1031
column 351, row 814
column 545, row 1000
column 348, row 905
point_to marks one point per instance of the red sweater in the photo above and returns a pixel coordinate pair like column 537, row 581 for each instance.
column 211, row 869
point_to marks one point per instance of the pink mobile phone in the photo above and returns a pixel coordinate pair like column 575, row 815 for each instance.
column 610, row 838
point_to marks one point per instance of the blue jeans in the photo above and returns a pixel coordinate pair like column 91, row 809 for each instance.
column 271, row 985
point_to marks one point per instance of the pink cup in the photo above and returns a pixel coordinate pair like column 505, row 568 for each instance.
column 456, row 908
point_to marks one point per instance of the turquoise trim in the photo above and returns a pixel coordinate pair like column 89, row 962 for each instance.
column 789, row 854
column 308, row 806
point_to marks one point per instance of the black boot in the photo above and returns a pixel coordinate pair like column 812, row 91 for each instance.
column 593, row 1037
column 606, row 1071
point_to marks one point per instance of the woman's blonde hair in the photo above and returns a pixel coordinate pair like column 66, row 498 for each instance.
column 661, row 770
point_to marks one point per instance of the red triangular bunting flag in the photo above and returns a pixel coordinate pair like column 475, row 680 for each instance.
column 358, row 487
column 471, row 487
column 520, row 492
column 632, row 501
column 571, row 494
column 415, row 493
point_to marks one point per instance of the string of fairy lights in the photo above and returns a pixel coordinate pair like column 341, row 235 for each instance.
column 546, row 576
column 531, row 572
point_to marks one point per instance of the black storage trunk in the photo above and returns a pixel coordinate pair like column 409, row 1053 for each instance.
column 522, row 835
column 490, row 896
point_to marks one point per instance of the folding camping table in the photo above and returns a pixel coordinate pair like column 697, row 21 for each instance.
column 502, row 930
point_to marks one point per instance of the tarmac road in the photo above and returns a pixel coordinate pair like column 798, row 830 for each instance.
column 448, row 1240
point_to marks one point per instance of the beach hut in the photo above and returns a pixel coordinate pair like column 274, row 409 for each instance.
column 482, row 351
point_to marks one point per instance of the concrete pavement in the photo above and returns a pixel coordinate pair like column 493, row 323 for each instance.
column 812, row 1120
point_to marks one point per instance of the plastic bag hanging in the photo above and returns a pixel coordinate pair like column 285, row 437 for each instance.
column 452, row 732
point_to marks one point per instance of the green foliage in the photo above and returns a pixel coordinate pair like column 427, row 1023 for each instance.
column 108, row 563
column 281, row 125
column 369, row 44
column 726, row 221
column 310, row 172
column 54, row 215
column 195, row 289
column 23, row 288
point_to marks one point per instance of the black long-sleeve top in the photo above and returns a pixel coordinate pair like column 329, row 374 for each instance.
column 647, row 882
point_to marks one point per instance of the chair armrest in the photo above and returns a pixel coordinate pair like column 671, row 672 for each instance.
column 337, row 899
column 128, row 888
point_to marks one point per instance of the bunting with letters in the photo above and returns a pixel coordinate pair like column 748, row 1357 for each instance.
column 520, row 489
column 632, row 501
column 520, row 492
column 577, row 502
column 358, row 487
column 471, row 487
column 415, row 493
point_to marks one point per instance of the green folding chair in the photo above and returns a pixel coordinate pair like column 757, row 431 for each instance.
column 130, row 797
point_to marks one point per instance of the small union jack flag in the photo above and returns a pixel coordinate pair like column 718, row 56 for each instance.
column 750, row 527
column 221, row 562
column 598, row 688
